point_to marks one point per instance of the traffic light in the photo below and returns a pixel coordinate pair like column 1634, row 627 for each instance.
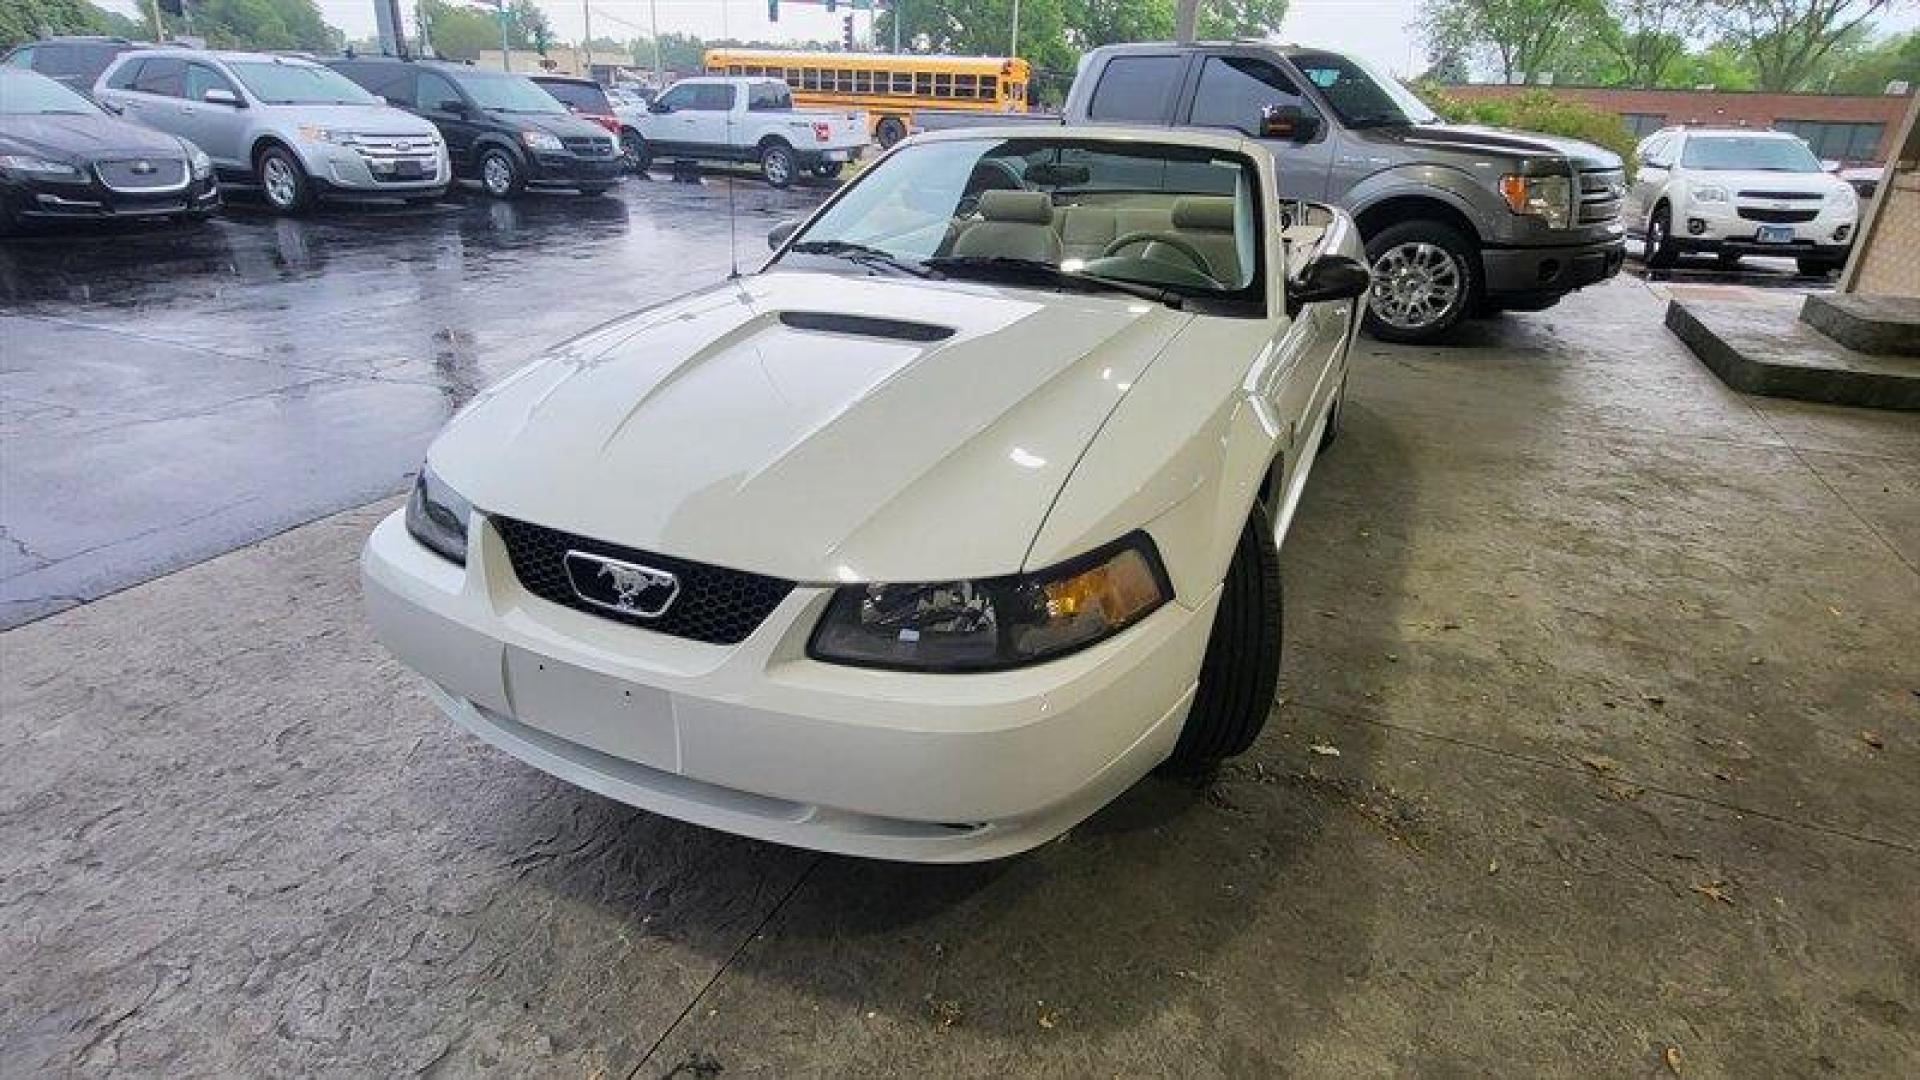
column 846, row 32
column 773, row 10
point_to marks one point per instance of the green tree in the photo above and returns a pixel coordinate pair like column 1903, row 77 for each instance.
column 1870, row 69
column 1719, row 66
column 259, row 24
column 1649, row 37
column 1789, row 39
column 1524, row 36
column 27, row 20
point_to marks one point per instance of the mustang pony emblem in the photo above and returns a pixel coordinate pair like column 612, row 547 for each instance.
column 628, row 588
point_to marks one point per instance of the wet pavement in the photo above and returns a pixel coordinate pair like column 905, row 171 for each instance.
column 1595, row 755
column 169, row 393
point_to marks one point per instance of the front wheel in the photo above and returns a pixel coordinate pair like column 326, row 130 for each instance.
column 889, row 131
column 1425, row 279
column 1661, row 252
column 1242, row 664
column 283, row 181
column 500, row 174
column 777, row 164
column 634, row 150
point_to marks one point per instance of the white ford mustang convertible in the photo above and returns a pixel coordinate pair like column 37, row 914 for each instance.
column 924, row 541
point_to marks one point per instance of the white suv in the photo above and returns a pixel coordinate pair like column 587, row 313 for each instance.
column 1735, row 192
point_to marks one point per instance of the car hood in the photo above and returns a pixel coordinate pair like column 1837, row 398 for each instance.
column 1491, row 142
column 364, row 119
column 729, row 428
column 563, row 125
column 82, row 137
column 1765, row 180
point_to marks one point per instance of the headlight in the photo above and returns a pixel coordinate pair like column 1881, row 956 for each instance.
column 1709, row 194
column 202, row 164
column 1549, row 198
column 540, row 140
column 437, row 517
column 33, row 166
column 316, row 133
column 994, row 623
column 1844, row 195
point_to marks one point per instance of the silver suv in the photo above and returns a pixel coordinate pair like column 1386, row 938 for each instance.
column 297, row 129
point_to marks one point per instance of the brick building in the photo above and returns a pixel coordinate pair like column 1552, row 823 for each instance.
column 1851, row 128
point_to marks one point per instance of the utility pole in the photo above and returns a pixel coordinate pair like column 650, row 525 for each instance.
column 659, row 72
column 895, row 8
column 1013, row 44
column 586, row 14
column 506, row 52
column 153, row 11
column 1185, row 14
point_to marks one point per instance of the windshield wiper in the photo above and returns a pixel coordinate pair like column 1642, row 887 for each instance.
column 863, row 254
column 1000, row 266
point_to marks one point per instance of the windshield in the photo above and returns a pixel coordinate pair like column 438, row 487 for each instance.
column 508, row 93
column 1720, row 153
column 26, row 93
column 1180, row 220
column 279, row 83
column 1360, row 94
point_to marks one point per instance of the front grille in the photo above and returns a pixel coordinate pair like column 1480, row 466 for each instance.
column 588, row 146
column 715, row 605
column 1784, row 196
column 1601, row 194
column 143, row 175
column 1778, row 217
column 399, row 159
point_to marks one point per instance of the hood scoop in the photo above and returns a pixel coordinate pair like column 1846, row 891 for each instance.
column 865, row 326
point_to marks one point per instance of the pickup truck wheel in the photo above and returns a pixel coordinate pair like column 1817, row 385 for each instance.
column 777, row 164
column 1660, row 250
column 1242, row 663
column 1424, row 281
column 283, row 181
column 889, row 131
column 634, row 149
column 500, row 173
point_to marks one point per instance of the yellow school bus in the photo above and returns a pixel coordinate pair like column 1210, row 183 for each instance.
column 889, row 86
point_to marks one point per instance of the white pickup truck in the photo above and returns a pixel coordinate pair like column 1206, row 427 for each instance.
column 743, row 119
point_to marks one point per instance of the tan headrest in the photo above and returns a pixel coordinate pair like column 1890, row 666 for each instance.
column 1208, row 212
column 1025, row 207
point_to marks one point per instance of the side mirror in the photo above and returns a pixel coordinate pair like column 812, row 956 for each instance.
column 1329, row 277
column 1289, row 122
column 659, row 108
column 779, row 233
column 221, row 96
column 452, row 107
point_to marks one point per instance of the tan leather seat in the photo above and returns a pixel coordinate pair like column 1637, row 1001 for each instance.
column 1204, row 221
column 1014, row 225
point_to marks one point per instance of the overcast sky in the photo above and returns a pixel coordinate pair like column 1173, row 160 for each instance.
column 1375, row 29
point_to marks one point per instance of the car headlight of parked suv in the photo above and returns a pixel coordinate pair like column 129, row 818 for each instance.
column 540, row 140
column 437, row 516
column 39, row 168
column 1549, row 198
column 202, row 164
column 316, row 133
column 1843, row 196
column 994, row 623
column 1709, row 193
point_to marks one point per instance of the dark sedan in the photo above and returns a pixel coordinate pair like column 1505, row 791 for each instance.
column 63, row 158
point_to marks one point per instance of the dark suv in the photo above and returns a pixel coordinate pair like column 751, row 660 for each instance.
column 500, row 128
column 74, row 61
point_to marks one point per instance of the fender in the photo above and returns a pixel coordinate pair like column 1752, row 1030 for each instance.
column 1446, row 184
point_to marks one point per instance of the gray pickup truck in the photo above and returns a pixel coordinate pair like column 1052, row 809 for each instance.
column 1458, row 221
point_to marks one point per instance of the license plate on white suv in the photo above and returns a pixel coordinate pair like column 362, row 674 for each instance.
column 1776, row 234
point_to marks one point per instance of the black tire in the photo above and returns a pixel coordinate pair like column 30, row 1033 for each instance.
column 1410, row 245
column 1242, row 665
column 500, row 173
column 283, row 180
column 1818, row 267
column 830, row 170
column 778, row 165
column 1661, row 251
column 888, row 131
column 634, row 149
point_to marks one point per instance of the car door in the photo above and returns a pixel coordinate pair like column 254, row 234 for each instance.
column 670, row 124
column 1255, row 79
column 215, row 127
column 156, row 93
column 440, row 102
column 1656, row 164
column 706, row 120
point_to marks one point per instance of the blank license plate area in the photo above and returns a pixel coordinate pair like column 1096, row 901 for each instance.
column 1776, row 234
column 605, row 714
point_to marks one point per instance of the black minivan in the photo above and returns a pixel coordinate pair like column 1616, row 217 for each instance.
column 501, row 129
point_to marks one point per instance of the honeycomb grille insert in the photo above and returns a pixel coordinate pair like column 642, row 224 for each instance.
column 716, row 605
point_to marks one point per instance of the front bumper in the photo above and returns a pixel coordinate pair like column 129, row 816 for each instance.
column 758, row 739
column 1718, row 228
column 839, row 155
column 345, row 170
column 39, row 200
column 562, row 169
column 1551, row 271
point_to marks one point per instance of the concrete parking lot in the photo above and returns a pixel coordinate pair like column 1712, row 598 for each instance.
column 1595, row 752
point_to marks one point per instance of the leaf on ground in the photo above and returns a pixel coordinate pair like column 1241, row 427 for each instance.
column 1324, row 750
column 1671, row 1058
column 1624, row 792
column 1715, row 890
column 1047, row 1018
column 1873, row 739
column 1599, row 763
column 1493, row 866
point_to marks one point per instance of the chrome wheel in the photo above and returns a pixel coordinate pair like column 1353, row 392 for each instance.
column 496, row 175
column 279, row 183
column 1415, row 285
column 777, row 165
